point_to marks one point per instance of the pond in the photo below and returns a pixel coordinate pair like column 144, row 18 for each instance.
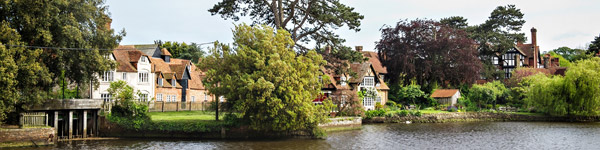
column 463, row 135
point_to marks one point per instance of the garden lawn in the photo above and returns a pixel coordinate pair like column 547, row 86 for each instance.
column 433, row 111
column 184, row 116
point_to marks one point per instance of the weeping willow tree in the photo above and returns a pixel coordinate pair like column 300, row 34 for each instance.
column 577, row 93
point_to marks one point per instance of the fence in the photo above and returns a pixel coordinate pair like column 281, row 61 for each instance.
column 177, row 106
column 34, row 119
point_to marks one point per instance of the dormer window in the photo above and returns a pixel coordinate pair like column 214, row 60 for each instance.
column 160, row 82
column 173, row 82
column 343, row 81
column 369, row 81
column 143, row 59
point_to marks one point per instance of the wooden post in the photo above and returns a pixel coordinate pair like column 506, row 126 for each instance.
column 21, row 120
column 163, row 106
column 190, row 106
column 56, row 124
column 84, row 121
column 70, row 124
column 177, row 106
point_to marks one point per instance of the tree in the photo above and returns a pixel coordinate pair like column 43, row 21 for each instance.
column 428, row 52
column 22, row 74
column 184, row 51
column 61, row 24
column 306, row 20
column 594, row 47
column 577, row 93
column 561, row 60
column 571, row 55
column 266, row 81
column 488, row 93
column 412, row 92
column 496, row 35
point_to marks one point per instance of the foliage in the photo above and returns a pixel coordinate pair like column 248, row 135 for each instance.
column 465, row 104
column 378, row 105
column 124, row 102
column 577, row 93
column 183, row 50
column 412, row 92
column 352, row 104
column 64, row 24
column 22, row 74
column 594, row 47
column 428, row 51
column 339, row 59
column 307, row 21
column 496, row 35
column 571, row 55
column 265, row 80
column 375, row 113
column 519, row 74
column 488, row 93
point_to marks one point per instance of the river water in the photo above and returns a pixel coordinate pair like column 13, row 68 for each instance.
column 464, row 135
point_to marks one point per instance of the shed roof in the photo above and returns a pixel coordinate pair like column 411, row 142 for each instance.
column 443, row 93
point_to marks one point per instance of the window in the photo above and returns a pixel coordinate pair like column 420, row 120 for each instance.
column 174, row 98
column 369, row 81
column 509, row 59
column 221, row 98
column 343, row 100
column 193, row 98
column 343, row 81
column 205, row 97
column 368, row 101
column 159, row 97
column 507, row 73
column 143, row 97
column 143, row 59
column 495, row 60
column 108, row 76
column 378, row 100
column 106, row 97
column 160, row 82
column 168, row 98
column 143, row 77
column 124, row 76
column 173, row 82
column 381, row 77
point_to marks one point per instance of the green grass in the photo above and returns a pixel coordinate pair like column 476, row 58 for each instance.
column 184, row 116
column 433, row 111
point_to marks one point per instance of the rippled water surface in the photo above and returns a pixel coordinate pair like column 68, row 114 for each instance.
column 472, row 135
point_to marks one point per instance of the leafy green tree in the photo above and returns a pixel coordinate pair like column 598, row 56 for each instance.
column 270, row 85
column 577, row 93
column 183, row 50
column 594, row 47
column 571, row 55
column 83, row 24
column 22, row 74
column 488, row 93
column 124, row 97
column 306, row 20
column 499, row 33
column 412, row 92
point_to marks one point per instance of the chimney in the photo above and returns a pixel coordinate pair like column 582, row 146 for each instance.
column 534, row 47
column 546, row 61
column 327, row 50
column 108, row 23
column 359, row 48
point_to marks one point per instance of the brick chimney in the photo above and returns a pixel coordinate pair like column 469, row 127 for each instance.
column 534, row 47
column 359, row 48
column 327, row 50
column 108, row 23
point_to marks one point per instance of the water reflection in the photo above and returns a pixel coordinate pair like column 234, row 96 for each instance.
column 470, row 135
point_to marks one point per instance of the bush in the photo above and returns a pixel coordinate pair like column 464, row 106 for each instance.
column 402, row 113
column 378, row 105
column 374, row 113
column 418, row 114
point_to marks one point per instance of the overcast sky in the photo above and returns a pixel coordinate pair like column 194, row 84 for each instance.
column 572, row 23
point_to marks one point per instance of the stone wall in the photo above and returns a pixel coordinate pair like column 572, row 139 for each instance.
column 27, row 137
column 342, row 122
column 477, row 116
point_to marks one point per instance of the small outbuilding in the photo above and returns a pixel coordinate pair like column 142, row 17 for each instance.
column 446, row 96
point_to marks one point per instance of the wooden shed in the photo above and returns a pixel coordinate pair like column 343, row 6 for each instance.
column 446, row 96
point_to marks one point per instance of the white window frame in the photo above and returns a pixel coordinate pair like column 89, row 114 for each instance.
column 369, row 81
column 143, row 77
column 143, row 97
column 174, row 98
column 159, row 97
column 106, row 97
column 193, row 98
column 124, row 76
column 168, row 98
column 205, row 97
column 143, row 59
column 108, row 76
column 173, row 82
column 343, row 80
column 368, row 102
column 160, row 81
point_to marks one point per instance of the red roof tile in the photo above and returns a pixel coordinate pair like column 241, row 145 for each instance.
column 443, row 93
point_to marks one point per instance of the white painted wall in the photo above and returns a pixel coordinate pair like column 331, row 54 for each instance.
column 132, row 80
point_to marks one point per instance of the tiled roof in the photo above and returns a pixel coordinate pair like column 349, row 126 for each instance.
column 126, row 57
column 148, row 49
column 374, row 59
column 177, row 67
column 360, row 69
column 443, row 93
column 165, row 52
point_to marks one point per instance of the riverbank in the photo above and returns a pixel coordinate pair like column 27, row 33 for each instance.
column 479, row 116
column 26, row 137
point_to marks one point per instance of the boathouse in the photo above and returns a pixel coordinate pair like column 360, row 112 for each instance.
column 71, row 118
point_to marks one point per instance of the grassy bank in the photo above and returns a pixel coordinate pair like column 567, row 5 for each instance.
column 183, row 116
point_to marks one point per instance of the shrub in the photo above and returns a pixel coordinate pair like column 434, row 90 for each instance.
column 378, row 105
column 402, row 113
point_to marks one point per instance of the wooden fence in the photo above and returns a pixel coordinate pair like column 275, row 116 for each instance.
column 163, row 106
column 34, row 119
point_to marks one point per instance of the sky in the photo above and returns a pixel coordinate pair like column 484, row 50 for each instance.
column 572, row 23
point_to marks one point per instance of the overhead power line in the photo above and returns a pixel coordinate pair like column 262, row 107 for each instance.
column 77, row 49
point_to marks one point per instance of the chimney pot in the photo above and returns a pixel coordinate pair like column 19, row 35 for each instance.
column 327, row 50
column 359, row 48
